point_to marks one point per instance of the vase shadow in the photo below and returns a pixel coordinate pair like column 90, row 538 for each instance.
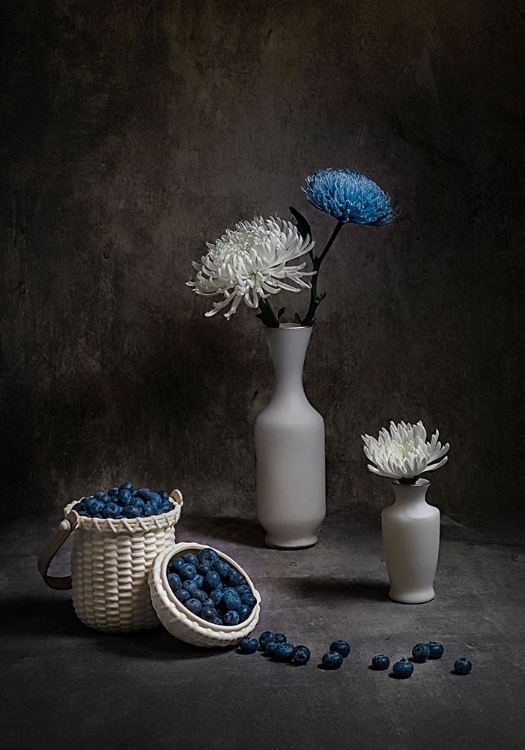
column 318, row 587
column 205, row 530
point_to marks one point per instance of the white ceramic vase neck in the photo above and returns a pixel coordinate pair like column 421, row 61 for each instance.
column 289, row 445
column 411, row 530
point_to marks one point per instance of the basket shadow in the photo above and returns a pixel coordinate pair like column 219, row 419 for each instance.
column 317, row 587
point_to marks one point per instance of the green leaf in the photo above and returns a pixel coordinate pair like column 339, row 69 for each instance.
column 303, row 227
column 281, row 313
column 297, row 318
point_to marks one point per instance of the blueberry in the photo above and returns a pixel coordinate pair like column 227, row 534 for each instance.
column 231, row 618
column 188, row 571
column 79, row 506
column 462, row 666
column 113, row 491
column 211, row 581
column 125, row 497
column 283, row 651
column 148, row 510
column 230, row 600
column 84, row 513
column 127, row 486
column 421, row 652
column 111, row 510
column 182, row 595
column 220, row 567
column 144, row 493
column 203, row 569
column 218, row 620
column 208, row 556
column 436, row 650
column 249, row 599
column 131, row 511
column 199, row 580
column 248, row 645
column 380, row 662
column 340, row 647
column 233, row 578
column 155, row 499
column 190, row 586
column 216, row 596
column 165, row 508
column 94, row 506
column 174, row 581
column 201, row 596
column 163, row 494
column 242, row 580
column 208, row 613
column 208, row 602
column 243, row 589
column 191, row 560
column 138, row 502
column 102, row 496
column 403, row 669
column 97, row 515
column 270, row 647
column 194, row 605
column 332, row 660
column 176, row 564
column 244, row 612
column 265, row 638
column 301, row 655
column 279, row 638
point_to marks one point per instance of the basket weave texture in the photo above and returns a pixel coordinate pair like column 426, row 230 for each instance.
column 110, row 563
column 179, row 621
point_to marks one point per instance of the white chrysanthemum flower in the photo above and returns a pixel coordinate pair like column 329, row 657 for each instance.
column 248, row 263
column 403, row 453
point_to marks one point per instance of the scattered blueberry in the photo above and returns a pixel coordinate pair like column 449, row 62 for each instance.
column 340, row 647
column 280, row 638
column 270, row 647
column 332, row 660
column 403, row 669
column 301, row 655
column 380, row 662
column 283, row 651
column 249, row 645
column 462, row 666
column 265, row 638
column 436, row 650
column 421, row 652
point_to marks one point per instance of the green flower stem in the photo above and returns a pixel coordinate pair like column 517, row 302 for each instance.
column 315, row 300
column 267, row 314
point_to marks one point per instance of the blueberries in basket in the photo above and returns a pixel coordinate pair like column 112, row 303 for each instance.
column 231, row 618
column 300, row 655
column 340, row 647
column 201, row 595
column 199, row 580
column 436, row 650
column 403, row 669
column 249, row 645
column 124, row 496
column 209, row 614
column 220, row 567
column 190, row 586
column 191, row 559
column 148, row 510
column 216, row 596
column 194, row 605
column 93, row 505
column 103, row 496
column 203, row 569
column 230, row 600
column 244, row 612
column 188, row 572
column 183, row 595
column 164, row 494
column 243, row 589
column 283, row 651
column 111, row 510
column 421, row 652
column 380, row 662
column 131, row 511
column 211, row 581
column 127, row 486
column 462, row 666
column 218, row 620
column 249, row 599
column 332, row 660
column 233, row 578
column 208, row 556
column 174, row 581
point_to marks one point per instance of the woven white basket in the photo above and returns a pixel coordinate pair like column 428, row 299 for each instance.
column 182, row 623
column 110, row 563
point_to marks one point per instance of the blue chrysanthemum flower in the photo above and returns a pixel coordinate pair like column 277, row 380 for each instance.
column 349, row 197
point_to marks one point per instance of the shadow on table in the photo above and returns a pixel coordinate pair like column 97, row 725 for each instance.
column 38, row 618
column 213, row 531
column 316, row 587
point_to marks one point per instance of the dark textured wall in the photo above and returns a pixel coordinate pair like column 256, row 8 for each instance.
column 136, row 131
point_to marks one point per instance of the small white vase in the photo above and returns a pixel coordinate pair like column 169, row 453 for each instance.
column 290, row 448
column 411, row 543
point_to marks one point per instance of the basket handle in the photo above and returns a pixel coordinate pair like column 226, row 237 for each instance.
column 69, row 523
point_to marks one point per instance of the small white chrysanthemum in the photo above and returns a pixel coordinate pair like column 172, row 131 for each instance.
column 248, row 263
column 403, row 453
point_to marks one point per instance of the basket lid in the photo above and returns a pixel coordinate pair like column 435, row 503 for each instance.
column 182, row 623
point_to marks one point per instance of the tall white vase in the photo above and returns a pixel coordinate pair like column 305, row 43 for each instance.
column 411, row 543
column 290, row 448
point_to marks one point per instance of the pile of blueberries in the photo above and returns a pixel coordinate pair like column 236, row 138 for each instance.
column 124, row 502
column 211, row 588
column 277, row 646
